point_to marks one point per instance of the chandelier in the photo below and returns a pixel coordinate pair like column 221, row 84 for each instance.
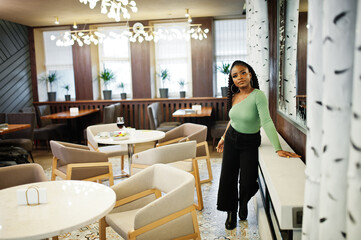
column 81, row 37
column 136, row 33
column 116, row 7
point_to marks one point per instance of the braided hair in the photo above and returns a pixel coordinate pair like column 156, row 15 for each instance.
column 232, row 89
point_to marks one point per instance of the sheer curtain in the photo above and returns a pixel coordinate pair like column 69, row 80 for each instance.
column 173, row 54
column 230, row 45
column 114, row 54
column 59, row 60
column 332, row 208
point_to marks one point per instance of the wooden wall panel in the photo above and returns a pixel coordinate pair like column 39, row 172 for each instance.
column 82, row 71
column 302, row 54
column 34, row 73
column 202, row 60
column 15, row 70
column 140, row 63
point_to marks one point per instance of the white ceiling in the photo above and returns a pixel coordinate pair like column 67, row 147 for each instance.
column 43, row 12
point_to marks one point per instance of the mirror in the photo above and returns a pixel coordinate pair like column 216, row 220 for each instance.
column 292, row 97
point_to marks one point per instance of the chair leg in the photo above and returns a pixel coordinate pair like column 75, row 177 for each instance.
column 102, row 229
column 198, row 185
column 195, row 224
column 122, row 163
column 213, row 143
column 31, row 156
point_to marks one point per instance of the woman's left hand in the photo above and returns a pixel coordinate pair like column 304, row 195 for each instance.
column 286, row 154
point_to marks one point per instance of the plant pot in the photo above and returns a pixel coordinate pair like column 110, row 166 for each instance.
column 163, row 92
column 51, row 96
column 224, row 91
column 123, row 95
column 67, row 97
column 107, row 94
column 182, row 94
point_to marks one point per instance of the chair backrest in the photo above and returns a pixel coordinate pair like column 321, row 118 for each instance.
column 116, row 111
column 21, row 174
column 108, row 114
column 154, row 115
column 22, row 118
column 195, row 132
column 73, row 153
column 93, row 130
column 43, row 110
column 31, row 109
column 179, row 152
column 2, row 117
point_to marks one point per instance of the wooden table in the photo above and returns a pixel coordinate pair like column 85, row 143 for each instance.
column 73, row 125
column 205, row 112
column 70, row 205
column 13, row 128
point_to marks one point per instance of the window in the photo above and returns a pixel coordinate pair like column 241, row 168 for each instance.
column 174, row 55
column 230, row 45
column 59, row 60
column 114, row 54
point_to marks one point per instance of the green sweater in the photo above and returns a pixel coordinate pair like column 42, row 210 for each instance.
column 250, row 114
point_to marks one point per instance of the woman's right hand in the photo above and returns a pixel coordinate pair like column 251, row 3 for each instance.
column 220, row 145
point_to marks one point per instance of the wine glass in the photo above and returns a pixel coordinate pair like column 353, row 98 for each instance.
column 120, row 122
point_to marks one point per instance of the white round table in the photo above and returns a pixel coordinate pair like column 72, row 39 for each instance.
column 70, row 205
column 138, row 136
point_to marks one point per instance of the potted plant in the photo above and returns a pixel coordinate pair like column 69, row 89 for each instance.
column 182, row 83
column 67, row 95
column 164, row 76
column 107, row 76
column 50, row 79
column 224, row 69
column 123, row 94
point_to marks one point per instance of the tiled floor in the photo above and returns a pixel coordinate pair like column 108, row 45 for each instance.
column 211, row 221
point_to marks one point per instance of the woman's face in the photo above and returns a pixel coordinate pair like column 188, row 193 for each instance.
column 241, row 76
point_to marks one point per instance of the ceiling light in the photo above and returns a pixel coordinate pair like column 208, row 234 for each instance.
column 56, row 20
column 75, row 26
column 189, row 19
column 116, row 7
column 187, row 12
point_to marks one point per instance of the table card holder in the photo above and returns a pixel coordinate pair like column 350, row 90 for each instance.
column 74, row 111
column 197, row 108
column 31, row 196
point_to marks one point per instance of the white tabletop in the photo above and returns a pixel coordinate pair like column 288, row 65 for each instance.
column 139, row 136
column 71, row 205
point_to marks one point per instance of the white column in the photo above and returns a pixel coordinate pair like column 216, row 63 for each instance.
column 258, row 41
column 353, row 210
column 314, row 120
column 338, row 41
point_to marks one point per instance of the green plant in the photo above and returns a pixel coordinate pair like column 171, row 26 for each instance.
column 181, row 83
column 164, row 76
column 224, row 69
column 67, row 88
column 122, row 86
column 50, row 78
column 107, row 76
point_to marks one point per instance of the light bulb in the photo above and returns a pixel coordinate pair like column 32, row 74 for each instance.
column 187, row 13
column 56, row 20
column 74, row 25
column 189, row 19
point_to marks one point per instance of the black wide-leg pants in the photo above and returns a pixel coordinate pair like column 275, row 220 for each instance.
column 239, row 165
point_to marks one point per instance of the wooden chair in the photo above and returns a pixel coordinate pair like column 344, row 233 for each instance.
column 21, row 174
column 174, row 155
column 110, row 151
column 154, row 204
column 77, row 162
column 156, row 119
column 189, row 132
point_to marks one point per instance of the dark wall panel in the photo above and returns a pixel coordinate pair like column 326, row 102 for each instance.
column 15, row 73
column 202, row 60
column 140, row 62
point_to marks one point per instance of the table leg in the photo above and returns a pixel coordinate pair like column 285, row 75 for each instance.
column 130, row 156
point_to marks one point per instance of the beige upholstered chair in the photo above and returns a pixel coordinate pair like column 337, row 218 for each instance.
column 156, row 121
column 174, row 155
column 110, row 151
column 21, row 174
column 154, row 204
column 189, row 132
column 77, row 162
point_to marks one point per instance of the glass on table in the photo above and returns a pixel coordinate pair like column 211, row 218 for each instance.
column 120, row 122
